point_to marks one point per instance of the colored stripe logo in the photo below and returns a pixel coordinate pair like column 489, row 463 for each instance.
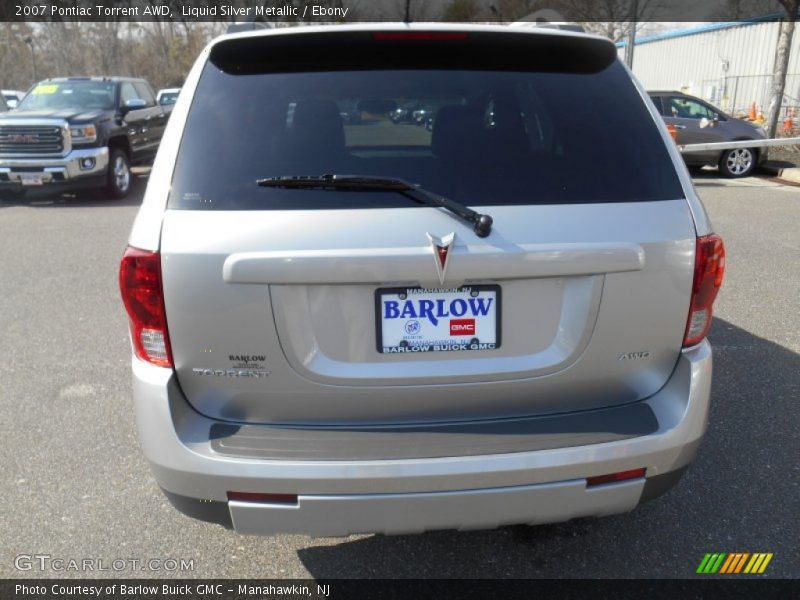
column 734, row 563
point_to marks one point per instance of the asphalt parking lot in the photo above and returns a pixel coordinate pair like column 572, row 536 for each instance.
column 75, row 485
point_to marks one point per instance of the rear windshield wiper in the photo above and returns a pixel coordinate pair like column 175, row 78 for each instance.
column 481, row 224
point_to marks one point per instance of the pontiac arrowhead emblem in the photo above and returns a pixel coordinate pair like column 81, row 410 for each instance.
column 441, row 253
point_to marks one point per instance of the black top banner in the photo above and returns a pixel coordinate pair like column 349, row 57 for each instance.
column 354, row 11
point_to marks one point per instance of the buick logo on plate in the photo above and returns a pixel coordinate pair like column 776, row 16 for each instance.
column 441, row 253
column 413, row 327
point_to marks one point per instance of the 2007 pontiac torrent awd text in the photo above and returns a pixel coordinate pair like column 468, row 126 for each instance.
column 341, row 323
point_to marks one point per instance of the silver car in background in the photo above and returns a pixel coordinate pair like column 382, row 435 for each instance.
column 373, row 327
column 698, row 122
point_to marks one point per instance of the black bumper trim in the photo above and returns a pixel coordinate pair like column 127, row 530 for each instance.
column 211, row 511
column 660, row 484
column 276, row 442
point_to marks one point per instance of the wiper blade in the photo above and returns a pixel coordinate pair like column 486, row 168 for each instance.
column 342, row 182
column 481, row 223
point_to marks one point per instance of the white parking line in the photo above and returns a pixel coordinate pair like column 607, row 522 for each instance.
column 743, row 182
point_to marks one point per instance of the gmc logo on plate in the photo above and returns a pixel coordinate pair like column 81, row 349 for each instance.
column 462, row 326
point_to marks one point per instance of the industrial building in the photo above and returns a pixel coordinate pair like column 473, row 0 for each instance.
column 728, row 64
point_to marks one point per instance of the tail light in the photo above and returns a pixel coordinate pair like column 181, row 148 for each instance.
column 709, row 268
column 142, row 294
column 259, row 497
column 615, row 477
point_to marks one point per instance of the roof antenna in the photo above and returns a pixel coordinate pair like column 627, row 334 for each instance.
column 408, row 11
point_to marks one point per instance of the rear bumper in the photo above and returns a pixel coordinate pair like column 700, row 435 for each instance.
column 412, row 495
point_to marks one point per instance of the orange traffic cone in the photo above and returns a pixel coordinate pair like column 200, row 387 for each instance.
column 673, row 131
column 788, row 122
column 752, row 115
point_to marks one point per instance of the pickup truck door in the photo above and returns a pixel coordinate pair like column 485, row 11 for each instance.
column 133, row 121
column 142, row 124
column 156, row 118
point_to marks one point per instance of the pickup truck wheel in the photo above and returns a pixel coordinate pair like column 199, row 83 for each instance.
column 119, row 174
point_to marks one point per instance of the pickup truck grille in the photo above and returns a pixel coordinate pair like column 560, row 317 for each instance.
column 31, row 139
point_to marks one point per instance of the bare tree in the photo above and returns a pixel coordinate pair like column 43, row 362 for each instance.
column 743, row 9
column 15, row 55
column 609, row 18
column 781, row 64
column 395, row 10
column 160, row 52
column 461, row 11
column 737, row 10
column 612, row 18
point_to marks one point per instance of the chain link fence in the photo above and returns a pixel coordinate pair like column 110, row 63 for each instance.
column 737, row 94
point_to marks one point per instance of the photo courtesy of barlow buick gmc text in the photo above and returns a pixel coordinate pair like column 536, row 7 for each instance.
column 347, row 299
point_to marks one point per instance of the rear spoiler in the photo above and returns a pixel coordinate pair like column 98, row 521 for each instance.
column 521, row 49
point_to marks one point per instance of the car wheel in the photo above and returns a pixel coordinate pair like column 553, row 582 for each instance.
column 739, row 162
column 119, row 174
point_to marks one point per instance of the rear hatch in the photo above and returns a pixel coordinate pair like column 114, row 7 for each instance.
column 328, row 306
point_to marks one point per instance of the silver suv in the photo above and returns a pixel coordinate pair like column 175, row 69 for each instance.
column 367, row 326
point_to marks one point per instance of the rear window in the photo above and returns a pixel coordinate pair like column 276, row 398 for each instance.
column 484, row 137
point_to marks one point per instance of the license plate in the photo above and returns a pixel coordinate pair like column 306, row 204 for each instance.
column 27, row 179
column 414, row 319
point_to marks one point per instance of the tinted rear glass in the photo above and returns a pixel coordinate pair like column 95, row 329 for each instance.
column 480, row 137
